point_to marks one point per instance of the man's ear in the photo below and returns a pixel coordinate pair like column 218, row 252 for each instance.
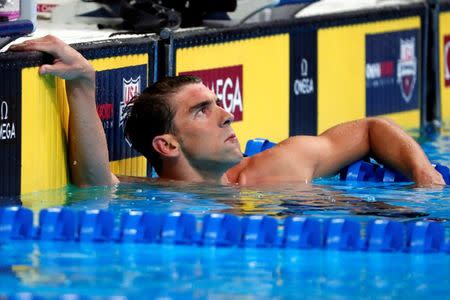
column 166, row 145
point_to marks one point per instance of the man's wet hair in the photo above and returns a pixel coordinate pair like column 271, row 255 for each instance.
column 151, row 114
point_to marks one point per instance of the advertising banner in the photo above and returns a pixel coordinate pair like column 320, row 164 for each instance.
column 370, row 69
column 115, row 89
column 10, row 132
column 303, row 83
column 392, row 72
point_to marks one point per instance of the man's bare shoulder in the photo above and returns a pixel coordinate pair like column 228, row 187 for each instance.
column 234, row 172
column 286, row 162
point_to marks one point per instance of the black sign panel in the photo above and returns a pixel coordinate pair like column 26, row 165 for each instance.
column 303, row 83
column 10, row 132
column 392, row 72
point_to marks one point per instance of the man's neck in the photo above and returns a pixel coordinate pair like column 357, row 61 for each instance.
column 184, row 171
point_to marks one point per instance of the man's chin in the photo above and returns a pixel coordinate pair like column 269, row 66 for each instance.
column 237, row 158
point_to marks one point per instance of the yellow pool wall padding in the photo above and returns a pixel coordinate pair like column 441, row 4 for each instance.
column 44, row 128
column 444, row 29
column 44, row 133
column 341, row 65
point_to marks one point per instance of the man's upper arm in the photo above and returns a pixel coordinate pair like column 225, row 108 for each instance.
column 310, row 153
column 341, row 145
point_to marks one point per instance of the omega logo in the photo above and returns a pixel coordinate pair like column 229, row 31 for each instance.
column 304, row 85
column 304, row 67
column 7, row 129
column 4, row 111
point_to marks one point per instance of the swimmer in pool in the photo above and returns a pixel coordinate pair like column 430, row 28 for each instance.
column 178, row 125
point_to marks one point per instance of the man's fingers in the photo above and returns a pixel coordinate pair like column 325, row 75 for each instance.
column 64, row 71
column 57, row 69
column 47, row 69
column 36, row 46
column 45, row 44
column 68, row 63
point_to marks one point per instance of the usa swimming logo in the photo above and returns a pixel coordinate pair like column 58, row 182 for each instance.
column 227, row 84
column 407, row 68
column 391, row 72
column 447, row 60
column 131, row 88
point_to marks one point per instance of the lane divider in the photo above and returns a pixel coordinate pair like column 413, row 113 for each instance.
column 223, row 230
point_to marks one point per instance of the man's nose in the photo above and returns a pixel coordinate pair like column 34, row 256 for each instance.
column 227, row 117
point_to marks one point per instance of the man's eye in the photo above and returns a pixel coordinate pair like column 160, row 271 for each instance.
column 202, row 110
column 219, row 103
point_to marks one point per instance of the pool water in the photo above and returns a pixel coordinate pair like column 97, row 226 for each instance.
column 51, row 269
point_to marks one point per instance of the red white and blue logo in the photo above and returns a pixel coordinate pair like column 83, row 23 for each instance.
column 115, row 89
column 392, row 72
column 131, row 88
column 407, row 68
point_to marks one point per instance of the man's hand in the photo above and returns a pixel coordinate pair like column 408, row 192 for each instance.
column 68, row 64
column 427, row 176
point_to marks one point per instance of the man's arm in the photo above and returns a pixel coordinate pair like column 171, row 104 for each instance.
column 88, row 152
column 302, row 158
column 382, row 139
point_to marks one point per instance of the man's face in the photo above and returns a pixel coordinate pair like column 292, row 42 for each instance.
column 204, row 129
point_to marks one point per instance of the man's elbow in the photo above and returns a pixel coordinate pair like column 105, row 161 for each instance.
column 89, row 180
column 381, row 121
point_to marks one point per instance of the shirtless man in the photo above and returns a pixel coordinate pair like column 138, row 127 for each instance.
column 178, row 125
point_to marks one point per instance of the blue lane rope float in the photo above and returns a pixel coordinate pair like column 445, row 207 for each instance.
column 384, row 236
column 301, row 232
column 220, row 230
column 254, row 146
column 223, row 230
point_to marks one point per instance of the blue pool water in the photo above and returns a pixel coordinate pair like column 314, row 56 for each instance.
column 51, row 269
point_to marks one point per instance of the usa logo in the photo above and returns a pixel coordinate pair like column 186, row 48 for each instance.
column 407, row 68
column 447, row 60
column 131, row 88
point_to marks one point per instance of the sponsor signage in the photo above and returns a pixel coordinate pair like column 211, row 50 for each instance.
column 447, row 60
column 227, row 83
column 7, row 126
column 392, row 72
column 131, row 87
column 115, row 89
column 303, row 83
column 10, row 132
